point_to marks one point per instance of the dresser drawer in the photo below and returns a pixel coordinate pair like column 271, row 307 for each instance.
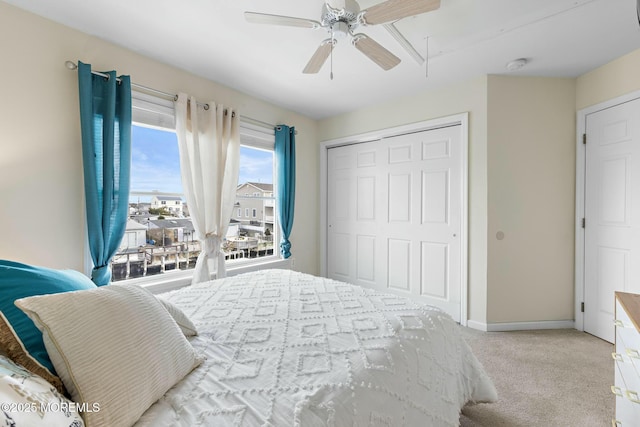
column 627, row 401
column 627, row 364
column 627, row 336
column 630, row 381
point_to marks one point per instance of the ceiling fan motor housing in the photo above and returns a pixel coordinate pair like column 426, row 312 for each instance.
column 347, row 17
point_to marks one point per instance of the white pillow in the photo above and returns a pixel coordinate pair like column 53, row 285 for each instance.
column 116, row 346
column 28, row 400
column 186, row 325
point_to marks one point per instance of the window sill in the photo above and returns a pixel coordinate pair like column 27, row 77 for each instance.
column 173, row 280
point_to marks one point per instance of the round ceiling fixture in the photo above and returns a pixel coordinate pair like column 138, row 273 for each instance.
column 516, row 64
column 340, row 30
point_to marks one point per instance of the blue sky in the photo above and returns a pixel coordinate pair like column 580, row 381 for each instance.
column 155, row 163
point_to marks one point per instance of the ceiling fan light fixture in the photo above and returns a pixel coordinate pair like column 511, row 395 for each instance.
column 340, row 30
column 516, row 64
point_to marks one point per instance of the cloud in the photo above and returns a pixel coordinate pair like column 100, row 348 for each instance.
column 156, row 162
column 255, row 166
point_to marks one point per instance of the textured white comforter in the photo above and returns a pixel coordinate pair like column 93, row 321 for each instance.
column 290, row 349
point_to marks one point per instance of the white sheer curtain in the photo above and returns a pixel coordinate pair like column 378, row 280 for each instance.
column 209, row 143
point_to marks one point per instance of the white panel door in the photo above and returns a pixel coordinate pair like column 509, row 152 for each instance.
column 394, row 216
column 612, row 213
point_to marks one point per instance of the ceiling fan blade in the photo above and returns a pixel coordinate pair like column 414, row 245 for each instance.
column 392, row 10
column 319, row 57
column 378, row 54
column 289, row 21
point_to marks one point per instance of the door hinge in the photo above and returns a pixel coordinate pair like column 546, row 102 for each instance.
column 584, row 138
column 582, row 307
column 584, row 222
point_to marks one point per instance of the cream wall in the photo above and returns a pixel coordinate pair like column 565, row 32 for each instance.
column 619, row 77
column 466, row 97
column 42, row 213
column 521, row 160
column 521, row 182
column 531, row 199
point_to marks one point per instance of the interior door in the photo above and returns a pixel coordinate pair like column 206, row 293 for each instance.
column 612, row 213
column 394, row 215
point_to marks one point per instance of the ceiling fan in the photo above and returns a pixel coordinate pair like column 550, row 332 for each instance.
column 341, row 18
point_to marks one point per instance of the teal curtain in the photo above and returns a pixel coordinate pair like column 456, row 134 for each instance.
column 105, row 121
column 285, row 150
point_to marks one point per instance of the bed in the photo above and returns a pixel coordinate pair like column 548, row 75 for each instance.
column 269, row 348
column 284, row 348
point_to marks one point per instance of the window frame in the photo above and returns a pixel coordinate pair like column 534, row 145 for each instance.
column 155, row 112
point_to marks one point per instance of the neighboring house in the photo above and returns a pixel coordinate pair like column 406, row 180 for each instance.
column 170, row 231
column 172, row 203
column 135, row 235
column 252, row 209
column 234, row 228
column 179, row 230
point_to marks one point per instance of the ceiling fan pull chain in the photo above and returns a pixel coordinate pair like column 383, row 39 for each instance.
column 331, row 53
column 426, row 60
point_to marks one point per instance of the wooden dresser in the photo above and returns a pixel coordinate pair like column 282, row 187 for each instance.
column 627, row 360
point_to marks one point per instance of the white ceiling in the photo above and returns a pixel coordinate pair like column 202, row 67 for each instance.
column 466, row 38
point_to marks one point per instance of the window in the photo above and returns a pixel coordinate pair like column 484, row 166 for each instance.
column 159, row 238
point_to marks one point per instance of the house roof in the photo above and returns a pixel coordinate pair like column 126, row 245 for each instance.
column 259, row 185
column 168, row 198
column 173, row 223
column 177, row 223
column 135, row 225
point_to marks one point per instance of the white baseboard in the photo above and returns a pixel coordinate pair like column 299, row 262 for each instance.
column 477, row 325
column 521, row 326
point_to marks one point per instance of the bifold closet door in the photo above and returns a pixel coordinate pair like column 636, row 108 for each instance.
column 394, row 215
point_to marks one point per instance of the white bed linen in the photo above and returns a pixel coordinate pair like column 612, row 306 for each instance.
column 290, row 349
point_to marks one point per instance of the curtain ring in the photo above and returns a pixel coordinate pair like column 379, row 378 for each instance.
column 206, row 107
column 175, row 97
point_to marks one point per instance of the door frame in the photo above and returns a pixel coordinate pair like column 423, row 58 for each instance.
column 462, row 120
column 581, row 158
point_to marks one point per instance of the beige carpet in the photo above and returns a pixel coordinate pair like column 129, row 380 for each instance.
column 544, row 378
